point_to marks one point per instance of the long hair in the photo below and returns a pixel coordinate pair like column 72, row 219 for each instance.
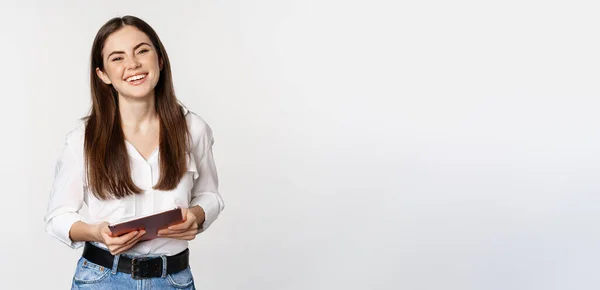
column 106, row 158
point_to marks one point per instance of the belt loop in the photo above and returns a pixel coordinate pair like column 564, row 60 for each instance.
column 164, row 269
column 115, row 264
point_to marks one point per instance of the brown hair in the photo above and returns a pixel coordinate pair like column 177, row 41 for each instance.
column 106, row 158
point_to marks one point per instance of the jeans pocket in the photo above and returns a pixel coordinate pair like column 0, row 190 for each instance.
column 182, row 279
column 89, row 273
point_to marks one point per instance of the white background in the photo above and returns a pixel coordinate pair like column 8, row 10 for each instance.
column 360, row 144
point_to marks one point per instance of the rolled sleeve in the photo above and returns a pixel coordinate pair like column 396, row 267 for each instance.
column 205, row 191
column 60, row 226
column 66, row 198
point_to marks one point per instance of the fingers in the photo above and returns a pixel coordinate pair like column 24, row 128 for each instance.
column 193, row 227
column 184, row 225
column 129, row 244
column 188, row 234
column 168, row 232
column 179, row 228
column 120, row 248
column 136, row 238
column 122, row 239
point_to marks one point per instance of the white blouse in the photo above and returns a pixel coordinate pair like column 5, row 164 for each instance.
column 198, row 187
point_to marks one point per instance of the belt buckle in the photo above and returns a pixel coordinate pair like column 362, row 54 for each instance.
column 135, row 269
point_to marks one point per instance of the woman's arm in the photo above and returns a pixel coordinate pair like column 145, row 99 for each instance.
column 62, row 219
column 206, row 203
column 66, row 196
column 81, row 231
column 205, row 192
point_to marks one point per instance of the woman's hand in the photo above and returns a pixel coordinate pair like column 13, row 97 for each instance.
column 117, row 245
column 183, row 231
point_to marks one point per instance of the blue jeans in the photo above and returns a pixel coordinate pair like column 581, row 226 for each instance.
column 92, row 276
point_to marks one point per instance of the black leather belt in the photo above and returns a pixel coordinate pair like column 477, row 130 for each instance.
column 144, row 267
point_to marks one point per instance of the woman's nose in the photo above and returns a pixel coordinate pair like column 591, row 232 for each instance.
column 133, row 63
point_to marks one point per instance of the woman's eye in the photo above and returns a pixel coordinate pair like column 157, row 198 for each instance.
column 143, row 51
column 117, row 58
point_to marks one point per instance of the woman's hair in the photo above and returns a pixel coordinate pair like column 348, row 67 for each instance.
column 106, row 158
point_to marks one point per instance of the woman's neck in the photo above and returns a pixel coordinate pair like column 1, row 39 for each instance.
column 137, row 114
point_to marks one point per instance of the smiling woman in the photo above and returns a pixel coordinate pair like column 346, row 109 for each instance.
column 130, row 61
column 138, row 152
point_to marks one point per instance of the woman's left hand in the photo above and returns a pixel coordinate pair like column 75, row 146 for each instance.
column 183, row 231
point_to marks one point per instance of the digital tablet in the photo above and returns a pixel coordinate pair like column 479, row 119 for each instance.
column 151, row 223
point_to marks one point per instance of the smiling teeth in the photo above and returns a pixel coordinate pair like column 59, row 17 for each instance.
column 135, row 78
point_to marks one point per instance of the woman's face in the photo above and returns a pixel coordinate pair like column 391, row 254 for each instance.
column 131, row 63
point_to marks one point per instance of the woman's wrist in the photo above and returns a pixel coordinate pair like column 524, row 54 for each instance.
column 198, row 211
column 84, row 232
column 96, row 232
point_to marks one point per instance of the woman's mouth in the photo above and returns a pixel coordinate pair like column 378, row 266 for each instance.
column 136, row 79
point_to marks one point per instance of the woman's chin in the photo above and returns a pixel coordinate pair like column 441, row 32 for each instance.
column 139, row 95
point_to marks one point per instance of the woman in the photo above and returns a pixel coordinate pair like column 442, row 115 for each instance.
column 138, row 152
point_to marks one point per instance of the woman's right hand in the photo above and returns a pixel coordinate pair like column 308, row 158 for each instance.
column 117, row 245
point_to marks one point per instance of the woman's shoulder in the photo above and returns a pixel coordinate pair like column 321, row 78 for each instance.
column 75, row 136
column 74, row 140
column 198, row 127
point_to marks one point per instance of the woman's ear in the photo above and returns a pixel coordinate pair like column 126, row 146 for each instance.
column 103, row 76
column 160, row 64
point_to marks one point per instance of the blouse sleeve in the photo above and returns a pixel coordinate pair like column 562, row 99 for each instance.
column 66, row 197
column 205, row 191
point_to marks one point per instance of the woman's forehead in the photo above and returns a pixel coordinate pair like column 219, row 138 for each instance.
column 125, row 39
